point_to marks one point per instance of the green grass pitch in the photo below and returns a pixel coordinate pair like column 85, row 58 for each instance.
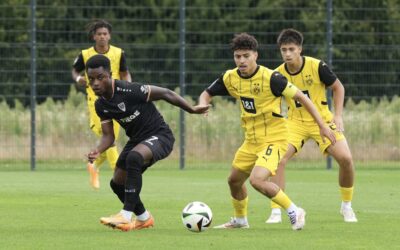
column 56, row 209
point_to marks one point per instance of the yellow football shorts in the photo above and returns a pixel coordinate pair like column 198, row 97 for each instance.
column 266, row 155
column 300, row 132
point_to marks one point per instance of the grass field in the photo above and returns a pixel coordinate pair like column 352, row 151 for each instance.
column 56, row 209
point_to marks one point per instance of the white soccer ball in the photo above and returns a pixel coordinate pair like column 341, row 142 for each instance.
column 196, row 216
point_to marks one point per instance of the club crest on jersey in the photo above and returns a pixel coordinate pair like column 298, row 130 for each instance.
column 309, row 80
column 144, row 89
column 121, row 106
column 256, row 89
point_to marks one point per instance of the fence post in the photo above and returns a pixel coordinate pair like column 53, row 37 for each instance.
column 329, row 7
column 182, row 84
column 33, row 85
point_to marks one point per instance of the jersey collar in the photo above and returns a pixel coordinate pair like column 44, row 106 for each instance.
column 301, row 68
column 250, row 76
column 109, row 46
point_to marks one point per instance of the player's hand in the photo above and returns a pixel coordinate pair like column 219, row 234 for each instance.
column 338, row 120
column 81, row 81
column 92, row 155
column 201, row 109
column 325, row 131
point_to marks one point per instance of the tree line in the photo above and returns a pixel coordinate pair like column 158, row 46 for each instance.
column 366, row 40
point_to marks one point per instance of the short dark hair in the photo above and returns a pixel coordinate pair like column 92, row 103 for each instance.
column 97, row 24
column 290, row 36
column 244, row 41
column 98, row 61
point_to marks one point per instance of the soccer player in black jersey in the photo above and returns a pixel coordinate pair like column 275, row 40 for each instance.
column 100, row 32
column 150, row 138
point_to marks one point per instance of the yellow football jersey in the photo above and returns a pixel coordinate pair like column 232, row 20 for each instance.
column 260, row 106
column 308, row 80
column 114, row 54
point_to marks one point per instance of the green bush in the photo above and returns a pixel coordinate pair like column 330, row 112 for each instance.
column 62, row 129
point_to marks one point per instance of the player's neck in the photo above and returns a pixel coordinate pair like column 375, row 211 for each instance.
column 110, row 93
column 295, row 66
column 101, row 49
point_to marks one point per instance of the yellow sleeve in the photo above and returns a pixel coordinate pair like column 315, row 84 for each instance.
column 290, row 90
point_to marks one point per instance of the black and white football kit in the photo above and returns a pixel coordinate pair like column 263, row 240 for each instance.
column 141, row 120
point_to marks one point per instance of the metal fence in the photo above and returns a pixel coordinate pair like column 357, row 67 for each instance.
column 364, row 54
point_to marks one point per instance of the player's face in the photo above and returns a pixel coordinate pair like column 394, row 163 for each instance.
column 246, row 61
column 100, row 81
column 102, row 36
column 291, row 53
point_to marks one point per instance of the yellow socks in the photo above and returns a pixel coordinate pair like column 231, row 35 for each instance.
column 274, row 205
column 282, row 200
column 240, row 207
column 346, row 193
column 347, row 196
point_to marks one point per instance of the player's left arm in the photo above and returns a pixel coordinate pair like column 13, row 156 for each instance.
column 124, row 71
column 332, row 81
column 158, row 93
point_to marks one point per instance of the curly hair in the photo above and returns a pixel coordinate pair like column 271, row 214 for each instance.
column 97, row 24
column 244, row 41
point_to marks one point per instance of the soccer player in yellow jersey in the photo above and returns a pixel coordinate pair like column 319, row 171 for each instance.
column 259, row 91
column 312, row 77
column 100, row 32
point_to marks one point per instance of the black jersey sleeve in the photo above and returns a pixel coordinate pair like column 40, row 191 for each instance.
column 122, row 64
column 100, row 111
column 217, row 87
column 278, row 83
column 326, row 74
column 139, row 92
column 79, row 64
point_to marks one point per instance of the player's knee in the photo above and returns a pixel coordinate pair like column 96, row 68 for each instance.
column 119, row 176
column 115, row 186
column 255, row 182
column 346, row 160
column 134, row 160
column 233, row 181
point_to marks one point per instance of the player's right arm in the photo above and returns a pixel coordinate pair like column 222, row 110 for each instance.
column 107, row 138
column 310, row 107
column 216, row 88
column 281, row 87
column 77, row 68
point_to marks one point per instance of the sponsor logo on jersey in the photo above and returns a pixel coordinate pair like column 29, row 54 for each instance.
column 123, row 90
column 130, row 118
column 121, row 106
column 248, row 105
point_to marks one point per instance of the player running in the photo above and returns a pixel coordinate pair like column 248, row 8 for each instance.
column 150, row 138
